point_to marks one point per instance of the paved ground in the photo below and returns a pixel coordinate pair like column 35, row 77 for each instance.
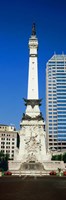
column 46, row 188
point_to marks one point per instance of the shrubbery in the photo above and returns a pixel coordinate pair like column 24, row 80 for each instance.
column 59, row 157
column 3, row 161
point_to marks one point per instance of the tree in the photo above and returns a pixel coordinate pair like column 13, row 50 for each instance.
column 59, row 157
column 64, row 157
column 4, row 161
column 54, row 157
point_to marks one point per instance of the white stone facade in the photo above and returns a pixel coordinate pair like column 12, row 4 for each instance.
column 8, row 140
column 32, row 142
column 33, row 69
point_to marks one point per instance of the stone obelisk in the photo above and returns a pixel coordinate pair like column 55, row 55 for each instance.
column 32, row 150
column 31, row 159
column 32, row 125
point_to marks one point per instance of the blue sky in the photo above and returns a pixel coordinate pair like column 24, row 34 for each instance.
column 16, row 18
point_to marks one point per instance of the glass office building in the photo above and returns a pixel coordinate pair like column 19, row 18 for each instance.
column 56, row 102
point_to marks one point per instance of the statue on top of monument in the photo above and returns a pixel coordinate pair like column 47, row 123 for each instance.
column 33, row 29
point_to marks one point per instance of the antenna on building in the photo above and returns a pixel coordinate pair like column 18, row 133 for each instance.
column 33, row 29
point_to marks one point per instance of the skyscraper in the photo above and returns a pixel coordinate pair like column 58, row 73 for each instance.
column 56, row 102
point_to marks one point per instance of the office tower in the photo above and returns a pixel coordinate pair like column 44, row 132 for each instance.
column 56, row 102
column 8, row 140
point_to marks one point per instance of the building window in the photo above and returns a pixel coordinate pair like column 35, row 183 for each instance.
column 7, row 138
column 12, row 138
column 2, row 138
column 2, row 147
column 2, row 151
column 7, row 151
column 3, row 143
column 7, row 147
column 12, row 142
column 7, row 142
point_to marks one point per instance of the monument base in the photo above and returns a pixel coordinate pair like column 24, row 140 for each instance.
column 35, row 168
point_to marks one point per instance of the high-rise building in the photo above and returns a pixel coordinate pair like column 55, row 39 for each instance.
column 56, row 102
column 8, row 139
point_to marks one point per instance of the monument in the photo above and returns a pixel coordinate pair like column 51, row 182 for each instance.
column 31, row 158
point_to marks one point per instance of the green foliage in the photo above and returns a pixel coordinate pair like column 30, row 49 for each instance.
column 53, row 157
column 59, row 157
column 64, row 157
column 3, row 161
